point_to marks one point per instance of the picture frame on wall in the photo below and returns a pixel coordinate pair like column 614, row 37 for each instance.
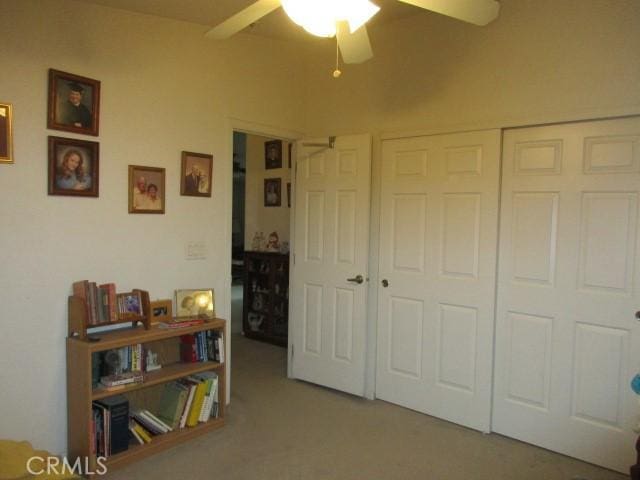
column 6, row 134
column 196, row 174
column 74, row 103
column 146, row 189
column 272, row 192
column 273, row 154
column 74, row 167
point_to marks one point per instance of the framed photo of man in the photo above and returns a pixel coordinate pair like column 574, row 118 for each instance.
column 74, row 103
column 196, row 174
column 146, row 189
column 273, row 154
column 73, row 167
column 6, row 135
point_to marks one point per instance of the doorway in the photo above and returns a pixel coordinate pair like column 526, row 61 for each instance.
column 260, row 237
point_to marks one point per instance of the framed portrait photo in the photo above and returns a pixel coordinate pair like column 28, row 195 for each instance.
column 74, row 103
column 146, row 189
column 272, row 192
column 74, row 167
column 273, row 154
column 195, row 303
column 196, row 173
column 6, row 135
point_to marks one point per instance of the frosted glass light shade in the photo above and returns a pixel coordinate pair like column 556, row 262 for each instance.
column 319, row 17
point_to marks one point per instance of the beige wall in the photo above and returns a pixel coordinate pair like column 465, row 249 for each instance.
column 164, row 89
column 259, row 218
column 540, row 61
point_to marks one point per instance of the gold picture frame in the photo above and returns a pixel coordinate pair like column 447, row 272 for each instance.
column 200, row 303
column 6, row 133
column 147, row 193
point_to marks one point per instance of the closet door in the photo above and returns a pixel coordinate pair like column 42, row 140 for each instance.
column 438, row 242
column 567, row 340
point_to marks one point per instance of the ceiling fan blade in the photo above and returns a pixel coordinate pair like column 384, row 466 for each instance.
column 355, row 47
column 478, row 12
column 243, row 19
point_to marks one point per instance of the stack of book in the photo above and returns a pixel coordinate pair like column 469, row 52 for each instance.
column 109, row 426
column 202, row 347
column 104, row 306
column 184, row 403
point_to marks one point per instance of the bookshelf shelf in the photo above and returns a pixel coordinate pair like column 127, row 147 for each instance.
column 81, row 351
column 166, row 374
column 162, row 442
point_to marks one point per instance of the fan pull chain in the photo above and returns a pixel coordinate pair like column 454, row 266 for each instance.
column 337, row 72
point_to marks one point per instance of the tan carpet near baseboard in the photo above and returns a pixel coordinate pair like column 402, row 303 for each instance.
column 281, row 429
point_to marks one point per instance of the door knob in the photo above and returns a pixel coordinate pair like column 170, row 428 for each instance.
column 357, row 279
column 385, row 283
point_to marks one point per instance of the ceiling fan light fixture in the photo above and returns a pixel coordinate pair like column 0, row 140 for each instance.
column 319, row 17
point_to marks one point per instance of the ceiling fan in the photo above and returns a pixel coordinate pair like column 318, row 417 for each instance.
column 346, row 19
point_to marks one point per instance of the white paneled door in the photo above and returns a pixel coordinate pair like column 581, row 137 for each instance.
column 330, row 270
column 567, row 340
column 438, row 237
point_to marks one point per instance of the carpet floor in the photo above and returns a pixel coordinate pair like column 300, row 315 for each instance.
column 283, row 429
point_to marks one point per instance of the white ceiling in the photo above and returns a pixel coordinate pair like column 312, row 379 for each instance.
column 275, row 25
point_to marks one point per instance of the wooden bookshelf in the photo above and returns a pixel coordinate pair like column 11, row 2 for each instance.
column 81, row 394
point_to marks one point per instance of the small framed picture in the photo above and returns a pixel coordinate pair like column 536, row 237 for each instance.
column 273, row 154
column 73, row 167
column 272, row 192
column 195, row 303
column 6, row 135
column 146, row 189
column 161, row 311
column 196, row 174
column 288, row 194
column 74, row 103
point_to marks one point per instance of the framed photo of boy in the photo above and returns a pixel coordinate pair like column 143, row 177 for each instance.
column 74, row 103
column 146, row 189
column 73, row 167
column 196, row 174
column 6, row 135
column 272, row 192
column 273, row 154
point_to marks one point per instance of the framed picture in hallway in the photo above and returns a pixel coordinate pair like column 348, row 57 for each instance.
column 273, row 154
column 272, row 192
column 146, row 189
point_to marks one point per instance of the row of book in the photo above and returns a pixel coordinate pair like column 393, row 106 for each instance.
column 202, row 347
column 132, row 358
column 184, row 403
column 103, row 305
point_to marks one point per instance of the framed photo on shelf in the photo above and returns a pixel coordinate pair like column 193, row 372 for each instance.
column 161, row 311
column 196, row 174
column 195, row 303
column 74, row 103
column 273, row 154
column 146, row 189
column 6, row 135
column 272, row 192
column 73, row 167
